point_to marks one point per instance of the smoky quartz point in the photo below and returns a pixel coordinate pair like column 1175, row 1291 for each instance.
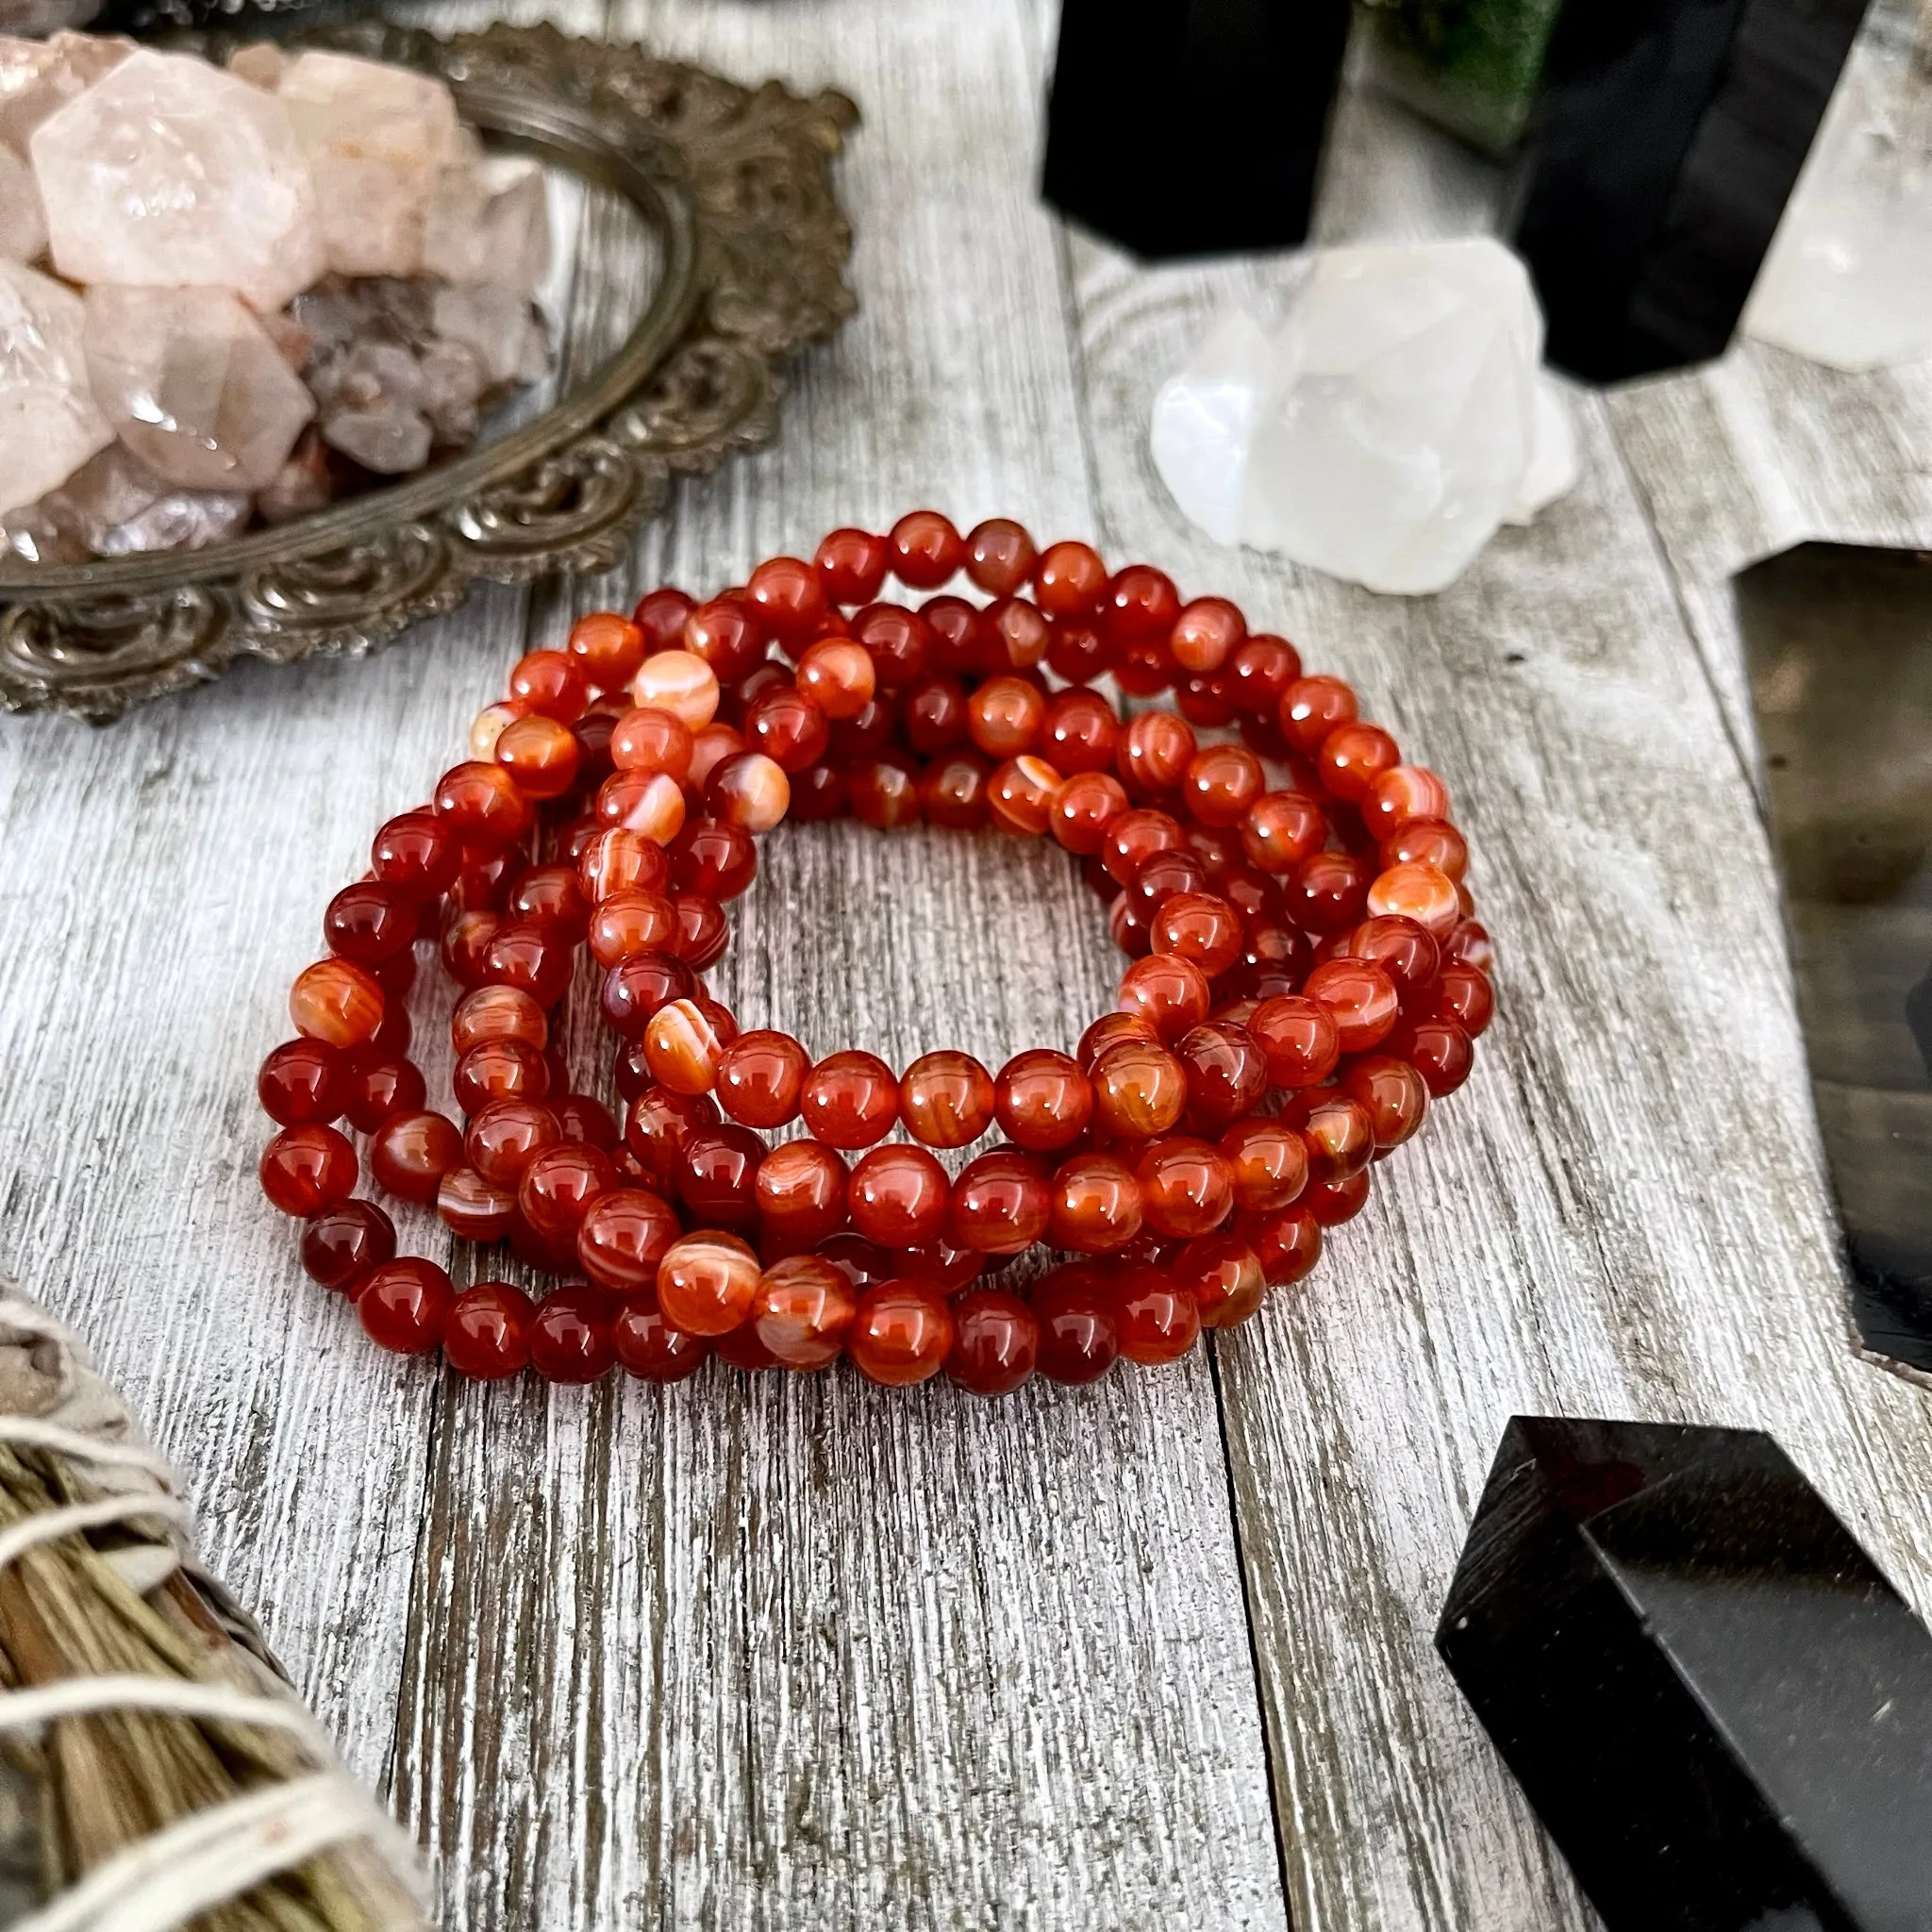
column 1718, row 1706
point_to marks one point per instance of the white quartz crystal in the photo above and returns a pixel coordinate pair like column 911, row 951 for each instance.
column 498, row 324
column 23, row 222
column 490, row 222
column 49, row 424
column 376, row 137
column 169, row 172
column 1383, row 428
column 194, row 385
column 39, row 76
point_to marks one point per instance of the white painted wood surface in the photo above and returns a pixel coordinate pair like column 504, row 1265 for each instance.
column 802, row 1655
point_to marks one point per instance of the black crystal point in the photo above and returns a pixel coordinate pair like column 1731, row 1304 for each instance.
column 1717, row 1705
column 1192, row 127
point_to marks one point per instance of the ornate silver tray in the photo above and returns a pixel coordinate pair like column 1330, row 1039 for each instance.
column 735, row 182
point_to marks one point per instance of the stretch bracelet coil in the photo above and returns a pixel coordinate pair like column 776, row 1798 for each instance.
column 1306, row 976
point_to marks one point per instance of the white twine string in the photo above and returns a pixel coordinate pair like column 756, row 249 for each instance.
column 50, row 1525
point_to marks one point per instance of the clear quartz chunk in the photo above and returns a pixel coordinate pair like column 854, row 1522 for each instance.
column 22, row 220
column 49, row 421
column 120, row 508
column 498, row 324
column 490, row 222
column 194, row 385
column 1394, row 418
column 376, row 137
column 168, row 171
column 39, row 76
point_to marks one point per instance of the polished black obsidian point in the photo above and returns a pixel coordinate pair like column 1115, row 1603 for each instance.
column 1667, row 140
column 1192, row 127
column 1718, row 1706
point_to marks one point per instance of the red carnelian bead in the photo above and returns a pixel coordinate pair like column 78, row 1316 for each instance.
column 1404, row 950
column 557, row 1186
column 1267, row 1164
column 551, row 683
column 1223, row 1274
column 540, row 755
column 706, row 1283
column 924, row 549
column 1163, row 875
column 631, row 922
column 1083, row 810
column 1337, row 1131
column 702, row 931
column 1000, row 556
column 1221, row 783
column 960, row 640
column 476, row 1210
column 308, row 1168
column 1129, row 925
column 1154, row 754
column 949, row 1269
column 1301, row 1038
column 1287, row 1244
column 837, row 674
column 1438, row 1050
column 1106, row 1031
column 507, row 1136
column 1144, row 667
column 482, row 803
column 647, row 1346
column 932, row 715
column 866, row 734
column 1227, row 1069
column 900, row 1333
column 801, row 1194
column 1077, row 651
column 682, row 1046
column 405, row 1306
column 995, row 1342
column 370, row 923
column 532, row 960
column 610, row 646
column 1352, row 757
column 1154, row 1317
column 618, row 860
column 393, row 1035
column 850, row 1100
column 725, row 634
column 1259, row 672
column 1019, row 634
column 787, row 726
column 803, row 1311
column 661, row 615
column 636, row 988
column 1001, row 1202
column 1400, row 794
column 1460, row 993
column 301, row 1081
column 817, row 794
column 1079, row 732
column 1134, row 838
column 760, row 1076
column 488, row 1335
column 549, row 896
column 743, row 1351
column 946, row 1100
column 342, row 1242
column 679, row 682
column 1187, row 1187
column 1421, row 892
column 884, row 792
column 646, row 740
column 1282, row 830
column 718, row 1176
column 1170, row 992
column 335, row 1002
column 1311, row 709
column 1327, row 892
column 1428, row 842
column 587, row 1122
column 410, row 1153
column 498, row 1013
column 1331, row 1203
column 377, row 1086
column 658, row 1127
column 1362, row 998
column 1096, row 1205
column 1005, row 715
column 1469, row 944
column 1077, row 1340
column 1393, row 1092
column 953, row 792
column 1207, row 634
column 1070, row 579
column 900, row 641
column 570, row 1339
column 1141, row 602
column 788, row 594
column 1019, row 796
column 1201, row 929
column 1139, row 1090
column 851, row 565
column 898, row 1196
column 647, row 805
column 1042, row 1100
column 418, row 854
column 1202, row 701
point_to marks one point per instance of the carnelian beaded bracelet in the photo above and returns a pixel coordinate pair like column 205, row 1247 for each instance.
column 1306, row 976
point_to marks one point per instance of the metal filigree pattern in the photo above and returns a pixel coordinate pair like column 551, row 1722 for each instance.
column 737, row 183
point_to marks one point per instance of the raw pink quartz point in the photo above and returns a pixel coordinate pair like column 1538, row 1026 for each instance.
column 49, row 424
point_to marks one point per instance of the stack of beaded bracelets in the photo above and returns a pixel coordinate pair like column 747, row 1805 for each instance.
column 1306, row 976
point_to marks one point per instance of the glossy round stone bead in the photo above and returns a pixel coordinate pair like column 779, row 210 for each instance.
column 787, row 726
column 1438, row 1050
column 1399, row 794
column 404, row 1305
column 570, row 1338
column 838, row 675
column 1418, row 891
column 410, row 1154
column 1005, row 715
column 1393, row 1092
column 850, row 1100
column 624, row 1236
column 788, row 594
column 718, row 1176
column 552, row 683
column 540, row 755
column 1221, row 784
column 800, row 1194
column 1000, row 556
column 475, row 1208
column 1428, row 842
column 370, row 922
column 335, row 1002
column 1267, row 1164
column 1187, row 1187
column 1134, row 838
column 302, row 1082
column 899, row 642
column 1408, row 953
column 1337, row 1131
column 1078, row 649
column 1140, row 1089
column 308, row 1168
column 651, row 741
column 659, row 1126
column 377, row 1086
column 550, row 897
column 1042, row 1101
column 1083, row 810
column 482, row 804
column 995, row 1342
column 946, row 1099
column 1203, row 930
column 1001, row 1202
column 1106, row 1031
column 1207, row 634
column 1163, row 876
column 1311, row 709
column 1019, row 796
column 1154, row 1317
column 1070, row 579
column 802, row 1310
column 706, row 1283
column 1018, row 634
column 628, row 922
column 1352, row 758
column 557, row 1186
column 925, row 550
column 1301, row 1036
column 638, row 988
column 1170, row 992
column 1360, row 996
column 851, row 565
column 488, row 725
column 1155, row 752
column 617, row 860
column 1223, row 1274
column 1127, row 927
column 342, row 1242
column 1282, row 830
column 702, row 932
column 898, row 1196
column 417, row 853
column 709, row 748
column 953, row 792
column 610, row 646
column 759, row 1077
column 683, row 1047
column 648, row 1347
column 487, row 1337
column 883, row 792
column 1469, row 944
column 587, row 1121
column 647, row 805
column 1141, row 602
column 1226, row 1072
column 900, row 1333
column 500, row 1070
column 498, row 1013
column 465, row 946
column 524, row 956
column 1078, row 1341
column 1327, row 892
column 1460, row 993
column 1096, row 1205
column 1287, row 1244
column 507, row 1136
column 932, row 716
column 1080, row 733
column 680, row 682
